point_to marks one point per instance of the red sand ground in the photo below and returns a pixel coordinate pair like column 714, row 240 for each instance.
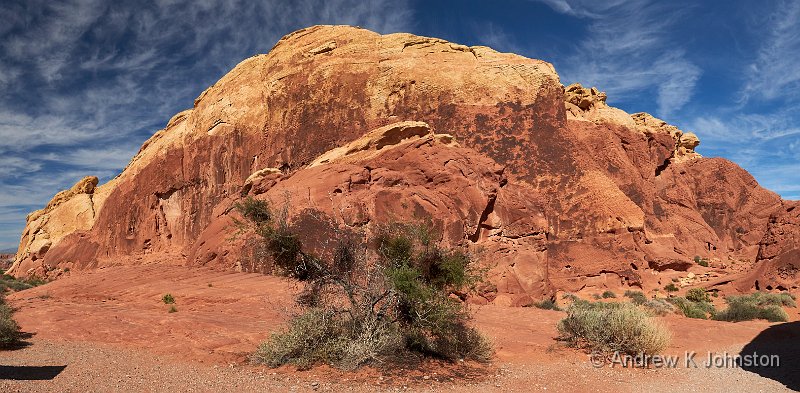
column 113, row 332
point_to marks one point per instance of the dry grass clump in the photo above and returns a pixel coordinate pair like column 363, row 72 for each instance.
column 608, row 327
column 758, row 305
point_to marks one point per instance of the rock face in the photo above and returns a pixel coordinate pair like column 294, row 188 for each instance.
column 778, row 261
column 550, row 187
column 69, row 211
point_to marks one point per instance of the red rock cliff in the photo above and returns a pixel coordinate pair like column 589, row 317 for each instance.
column 552, row 188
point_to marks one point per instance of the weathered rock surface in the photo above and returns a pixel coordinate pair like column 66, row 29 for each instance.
column 550, row 187
column 778, row 262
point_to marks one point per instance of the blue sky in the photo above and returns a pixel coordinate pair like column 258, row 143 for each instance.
column 84, row 82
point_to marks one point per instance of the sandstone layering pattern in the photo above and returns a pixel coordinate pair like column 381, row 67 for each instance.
column 551, row 188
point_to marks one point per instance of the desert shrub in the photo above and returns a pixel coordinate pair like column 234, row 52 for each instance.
column 658, row 307
column 697, row 295
column 8, row 282
column 637, row 297
column 569, row 296
column 168, row 299
column 9, row 330
column 609, row 295
column 758, row 305
column 548, row 304
column 359, row 307
column 671, row 288
column 692, row 309
column 620, row 327
column 782, row 299
column 701, row 261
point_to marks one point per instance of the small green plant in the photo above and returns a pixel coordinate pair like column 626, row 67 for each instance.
column 659, row 307
column 758, row 305
column 610, row 327
column 637, row 297
column 168, row 299
column 10, row 333
column 596, row 296
column 692, row 309
column 671, row 288
column 12, row 283
column 698, row 295
column 172, row 309
column 609, row 295
column 547, row 304
column 569, row 296
column 701, row 261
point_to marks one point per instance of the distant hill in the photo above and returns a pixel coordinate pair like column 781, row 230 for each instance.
column 8, row 251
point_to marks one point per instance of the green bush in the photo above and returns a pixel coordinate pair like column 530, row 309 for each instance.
column 396, row 305
column 698, row 295
column 637, row 297
column 10, row 333
column 168, row 299
column 701, row 261
column 758, row 305
column 569, row 296
column 15, row 284
column 609, row 327
column 671, row 288
column 609, row 295
column 692, row 309
column 548, row 304
column 658, row 307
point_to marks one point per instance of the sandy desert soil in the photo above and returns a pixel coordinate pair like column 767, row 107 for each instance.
column 108, row 330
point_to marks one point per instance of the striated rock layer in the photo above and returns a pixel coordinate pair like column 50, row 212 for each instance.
column 549, row 186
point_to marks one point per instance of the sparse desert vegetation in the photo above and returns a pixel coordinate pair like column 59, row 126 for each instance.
column 693, row 308
column 606, row 327
column 15, row 284
column 701, row 261
column 168, row 299
column 356, row 310
column 609, row 295
column 9, row 330
column 637, row 297
column 549, row 304
column 758, row 305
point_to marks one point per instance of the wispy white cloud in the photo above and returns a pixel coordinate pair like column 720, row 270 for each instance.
column 764, row 144
column 84, row 82
column 629, row 51
column 774, row 73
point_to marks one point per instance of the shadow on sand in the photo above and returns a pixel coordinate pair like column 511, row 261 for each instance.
column 27, row 373
column 30, row 373
column 784, row 341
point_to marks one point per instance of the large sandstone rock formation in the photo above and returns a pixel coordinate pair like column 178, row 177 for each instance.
column 550, row 187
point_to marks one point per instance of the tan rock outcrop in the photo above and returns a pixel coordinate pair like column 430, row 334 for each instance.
column 550, row 187
column 69, row 211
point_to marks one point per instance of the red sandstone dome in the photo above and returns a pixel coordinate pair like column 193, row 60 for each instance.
column 550, row 187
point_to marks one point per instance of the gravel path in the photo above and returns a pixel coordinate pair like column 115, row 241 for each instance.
column 105, row 368
column 108, row 331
